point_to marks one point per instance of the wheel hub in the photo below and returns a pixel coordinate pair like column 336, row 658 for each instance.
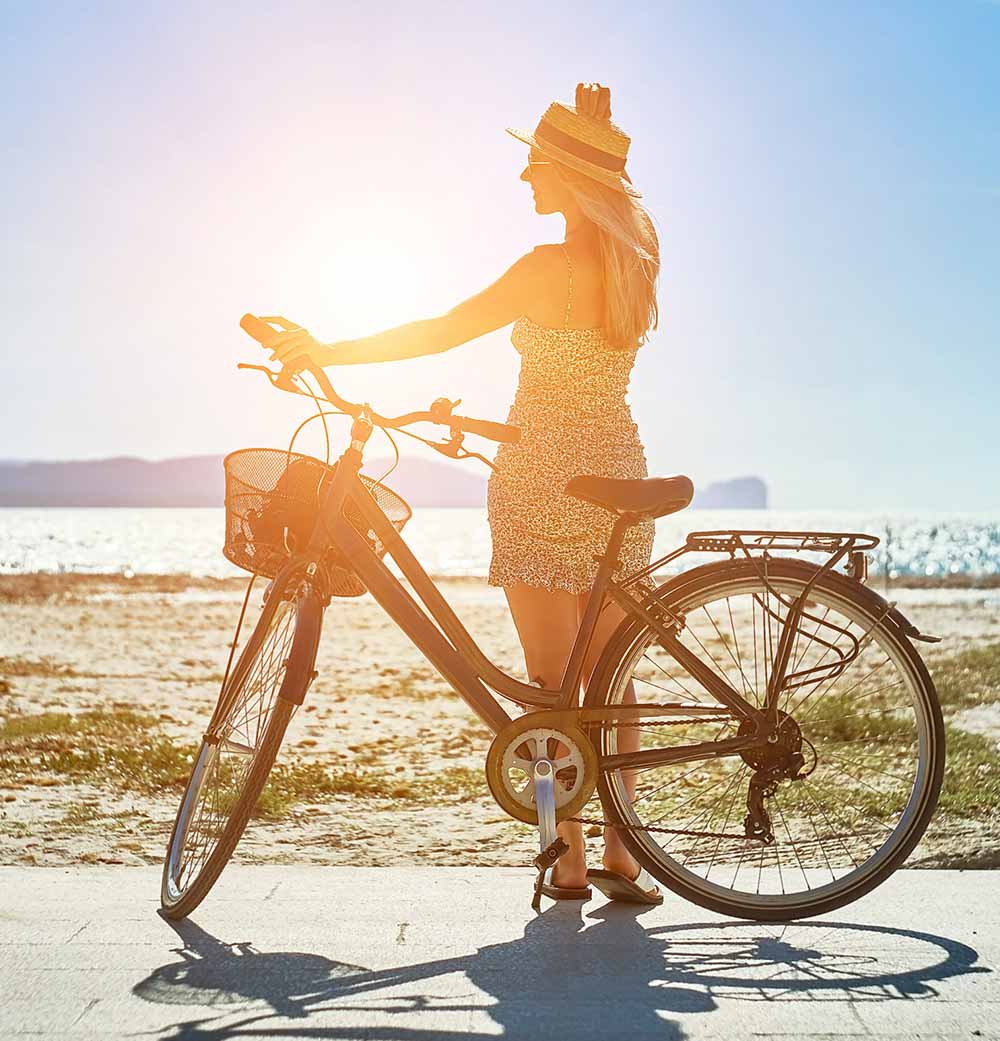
column 782, row 756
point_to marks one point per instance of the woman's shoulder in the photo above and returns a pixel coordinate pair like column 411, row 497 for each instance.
column 550, row 257
column 555, row 254
column 568, row 273
column 543, row 268
column 547, row 272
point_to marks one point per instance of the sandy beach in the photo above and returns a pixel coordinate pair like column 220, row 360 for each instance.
column 107, row 650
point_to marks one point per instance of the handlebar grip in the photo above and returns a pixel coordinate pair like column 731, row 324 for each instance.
column 506, row 435
column 259, row 330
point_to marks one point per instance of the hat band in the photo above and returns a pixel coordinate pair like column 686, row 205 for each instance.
column 547, row 132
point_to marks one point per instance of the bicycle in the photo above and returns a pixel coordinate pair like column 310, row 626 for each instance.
column 764, row 681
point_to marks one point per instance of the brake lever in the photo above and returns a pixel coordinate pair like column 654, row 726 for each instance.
column 454, row 450
column 281, row 379
column 476, row 455
column 259, row 368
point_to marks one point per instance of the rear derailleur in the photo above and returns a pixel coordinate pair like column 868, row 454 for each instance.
column 779, row 760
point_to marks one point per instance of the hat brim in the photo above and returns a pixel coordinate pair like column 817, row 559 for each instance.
column 606, row 177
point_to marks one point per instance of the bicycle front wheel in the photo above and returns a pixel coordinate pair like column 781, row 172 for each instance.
column 859, row 707
column 239, row 749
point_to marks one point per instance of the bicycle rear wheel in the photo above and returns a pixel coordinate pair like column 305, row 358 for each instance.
column 866, row 720
column 240, row 746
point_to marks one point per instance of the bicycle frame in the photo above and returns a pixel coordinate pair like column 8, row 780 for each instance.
column 439, row 634
column 435, row 629
column 442, row 638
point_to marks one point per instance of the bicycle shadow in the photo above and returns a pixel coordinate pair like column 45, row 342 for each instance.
column 567, row 976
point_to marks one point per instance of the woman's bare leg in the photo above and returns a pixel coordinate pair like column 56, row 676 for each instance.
column 616, row 856
column 547, row 624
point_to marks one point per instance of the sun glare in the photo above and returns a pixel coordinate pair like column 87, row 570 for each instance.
column 366, row 275
column 370, row 285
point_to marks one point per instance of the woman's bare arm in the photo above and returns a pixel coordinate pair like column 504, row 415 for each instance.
column 514, row 293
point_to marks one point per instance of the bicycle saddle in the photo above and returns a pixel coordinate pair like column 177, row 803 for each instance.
column 649, row 496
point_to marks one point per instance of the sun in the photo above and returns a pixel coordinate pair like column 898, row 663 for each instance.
column 358, row 274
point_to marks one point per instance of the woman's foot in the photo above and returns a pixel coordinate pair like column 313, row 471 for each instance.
column 571, row 883
column 570, row 871
column 618, row 859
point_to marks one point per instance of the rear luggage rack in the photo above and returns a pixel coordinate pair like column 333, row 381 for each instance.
column 794, row 541
column 791, row 614
column 758, row 545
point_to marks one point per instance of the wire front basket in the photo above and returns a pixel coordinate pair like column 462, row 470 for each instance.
column 272, row 501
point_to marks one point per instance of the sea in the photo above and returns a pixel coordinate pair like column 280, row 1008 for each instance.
column 456, row 542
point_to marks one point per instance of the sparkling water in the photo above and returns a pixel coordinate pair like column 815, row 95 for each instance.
column 456, row 542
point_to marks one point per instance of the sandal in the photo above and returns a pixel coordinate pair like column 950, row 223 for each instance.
column 562, row 892
column 637, row 890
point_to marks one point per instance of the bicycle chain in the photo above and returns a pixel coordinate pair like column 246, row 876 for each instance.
column 651, row 827
column 667, row 722
column 660, row 831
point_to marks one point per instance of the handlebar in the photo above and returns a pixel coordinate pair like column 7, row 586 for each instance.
column 440, row 412
column 502, row 432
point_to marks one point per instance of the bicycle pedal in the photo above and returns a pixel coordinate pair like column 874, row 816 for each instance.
column 536, row 899
column 552, row 852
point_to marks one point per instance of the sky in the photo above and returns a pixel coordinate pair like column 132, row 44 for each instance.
column 825, row 180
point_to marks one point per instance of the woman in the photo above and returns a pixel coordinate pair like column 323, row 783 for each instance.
column 581, row 310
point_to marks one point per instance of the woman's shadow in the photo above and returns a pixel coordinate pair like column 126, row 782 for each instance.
column 563, row 977
column 567, row 976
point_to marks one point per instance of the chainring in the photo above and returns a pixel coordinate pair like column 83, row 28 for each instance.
column 551, row 735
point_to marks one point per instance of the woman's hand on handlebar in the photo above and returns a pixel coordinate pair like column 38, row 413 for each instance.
column 295, row 348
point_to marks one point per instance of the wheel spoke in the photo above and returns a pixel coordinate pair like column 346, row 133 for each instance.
column 670, row 676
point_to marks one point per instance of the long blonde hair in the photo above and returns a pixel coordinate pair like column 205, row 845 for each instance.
column 630, row 257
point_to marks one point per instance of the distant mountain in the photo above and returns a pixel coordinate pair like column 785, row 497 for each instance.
column 426, row 482
column 193, row 481
column 198, row 481
column 740, row 493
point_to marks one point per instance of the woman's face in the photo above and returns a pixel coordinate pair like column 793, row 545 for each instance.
column 550, row 192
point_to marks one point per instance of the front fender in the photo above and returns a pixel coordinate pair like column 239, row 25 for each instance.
column 300, row 671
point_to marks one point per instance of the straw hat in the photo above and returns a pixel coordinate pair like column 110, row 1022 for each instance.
column 590, row 145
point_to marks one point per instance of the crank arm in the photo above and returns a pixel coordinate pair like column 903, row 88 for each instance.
column 545, row 802
column 551, row 845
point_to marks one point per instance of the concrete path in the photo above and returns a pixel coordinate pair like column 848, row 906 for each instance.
column 417, row 954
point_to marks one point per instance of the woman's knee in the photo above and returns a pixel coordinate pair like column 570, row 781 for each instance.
column 546, row 651
column 546, row 667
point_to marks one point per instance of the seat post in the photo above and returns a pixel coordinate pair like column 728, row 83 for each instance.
column 612, row 554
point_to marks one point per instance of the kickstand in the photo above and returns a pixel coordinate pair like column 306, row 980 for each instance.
column 551, row 845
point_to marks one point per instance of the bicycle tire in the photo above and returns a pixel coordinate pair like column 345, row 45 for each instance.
column 179, row 901
column 697, row 584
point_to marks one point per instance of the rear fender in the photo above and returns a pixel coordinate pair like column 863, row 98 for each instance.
column 905, row 626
